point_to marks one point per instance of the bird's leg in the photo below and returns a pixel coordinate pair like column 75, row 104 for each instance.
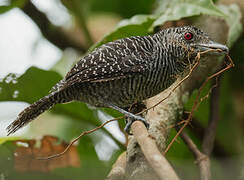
column 130, row 118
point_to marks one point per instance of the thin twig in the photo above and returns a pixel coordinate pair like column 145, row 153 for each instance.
column 158, row 162
column 192, row 68
column 177, row 85
column 177, row 124
column 198, row 130
column 81, row 19
column 51, row 32
column 186, row 123
column 77, row 138
column 210, row 132
column 88, row 132
column 215, row 85
column 202, row 160
column 83, row 25
column 196, row 102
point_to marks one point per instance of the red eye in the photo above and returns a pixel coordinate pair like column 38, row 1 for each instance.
column 188, row 36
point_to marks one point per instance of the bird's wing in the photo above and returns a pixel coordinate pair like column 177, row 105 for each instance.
column 112, row 61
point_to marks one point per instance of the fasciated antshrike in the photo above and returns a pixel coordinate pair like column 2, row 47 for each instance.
column 121, row 73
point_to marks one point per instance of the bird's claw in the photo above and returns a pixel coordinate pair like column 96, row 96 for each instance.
column 130, row 120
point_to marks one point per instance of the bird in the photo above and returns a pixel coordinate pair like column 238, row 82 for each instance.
column 121, row 73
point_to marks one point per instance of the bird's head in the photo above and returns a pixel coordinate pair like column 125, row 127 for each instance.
column 189, row 39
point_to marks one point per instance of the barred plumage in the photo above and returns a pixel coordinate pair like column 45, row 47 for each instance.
column 125, row 71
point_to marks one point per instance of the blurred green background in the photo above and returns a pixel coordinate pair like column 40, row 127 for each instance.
column 41, row 40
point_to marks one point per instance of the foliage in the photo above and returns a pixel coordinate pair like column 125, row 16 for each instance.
column 12, row 4
column 36, row 83
column 166, row 11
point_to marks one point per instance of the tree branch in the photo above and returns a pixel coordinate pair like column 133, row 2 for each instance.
column 118, row 169
column 166, row 113
column 198, row 130
column 82, row 21
column 52, row 33
column 209, row 136
column 210, row 131
column 149, row 148
column 203, row 161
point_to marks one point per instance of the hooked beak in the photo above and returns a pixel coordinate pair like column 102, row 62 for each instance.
column 216, row 48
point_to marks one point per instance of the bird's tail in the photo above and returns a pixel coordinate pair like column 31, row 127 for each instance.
column 37, row 108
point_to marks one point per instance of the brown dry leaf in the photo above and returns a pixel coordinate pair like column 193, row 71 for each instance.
column 25, row 156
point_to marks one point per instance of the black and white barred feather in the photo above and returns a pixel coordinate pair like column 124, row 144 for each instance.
column 121, row 72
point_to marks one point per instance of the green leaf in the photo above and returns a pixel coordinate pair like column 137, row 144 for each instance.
column 12, row 4
column 29, row 87
column 130, row 8
column 125, row 8
column 135, row 26
column 233, row 19
column 36, row 83
column 168, row 10
column 78, row 111
column 203, row 6
column 178, row 9
column 5, row 139
column 4, row 9
column 6, row 157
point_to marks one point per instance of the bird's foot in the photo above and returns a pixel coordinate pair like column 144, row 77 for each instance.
column 129, row 117
column 132, row 118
